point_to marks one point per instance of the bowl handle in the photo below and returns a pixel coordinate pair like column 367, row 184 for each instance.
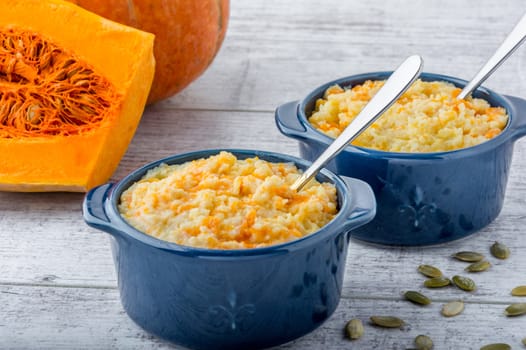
column 94, row 211
column 518, row 125
column 288, row 123
column 364, row 202
column 287, row 120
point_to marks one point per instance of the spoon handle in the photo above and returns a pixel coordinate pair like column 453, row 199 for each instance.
column 508, row 46
column 396, row 85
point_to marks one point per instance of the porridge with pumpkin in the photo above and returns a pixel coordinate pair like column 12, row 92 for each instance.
column 223, row 202
column 428, row 117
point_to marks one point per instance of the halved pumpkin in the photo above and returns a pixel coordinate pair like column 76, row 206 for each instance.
column 73, row 87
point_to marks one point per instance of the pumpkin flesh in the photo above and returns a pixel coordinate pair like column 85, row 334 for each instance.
column 73, row 87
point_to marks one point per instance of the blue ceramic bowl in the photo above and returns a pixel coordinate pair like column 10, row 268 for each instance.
column 422, row 198
column 230, row 299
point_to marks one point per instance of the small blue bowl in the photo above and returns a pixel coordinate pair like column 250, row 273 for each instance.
column 422, row 198
column 230, row 299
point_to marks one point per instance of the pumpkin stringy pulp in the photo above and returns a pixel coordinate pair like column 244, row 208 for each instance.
column 47, row 91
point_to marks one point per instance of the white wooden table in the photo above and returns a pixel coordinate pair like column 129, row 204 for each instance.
column 57, row 280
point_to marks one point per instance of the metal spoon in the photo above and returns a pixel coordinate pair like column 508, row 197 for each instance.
column 514, row 39
column 396, row 85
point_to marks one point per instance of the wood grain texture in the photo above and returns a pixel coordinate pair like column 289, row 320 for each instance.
column 58, row 286
column 92, row 318
column 278, row 51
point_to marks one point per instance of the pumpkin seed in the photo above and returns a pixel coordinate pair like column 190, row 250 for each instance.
column 496, row 346
column 519, row 291
column 468, row 256
column 464, row 283
column 68, row 63
column 354, row 329
column 32, row 113
column 84, row 83
column 10, row 43
column 73, row 72
column 516, row 309
column 499, row 250
column 423, row 342
column 452, row 308
column 478, row 266
column 437, row 282
column 61, row 76
column 45, row 61
column 387, row 321
column 429, row 271
column 88, row 109
column 417, row 298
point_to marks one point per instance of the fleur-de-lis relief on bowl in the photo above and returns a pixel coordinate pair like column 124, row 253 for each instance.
column 232, row 317
column 413, row 204
column 417, row 208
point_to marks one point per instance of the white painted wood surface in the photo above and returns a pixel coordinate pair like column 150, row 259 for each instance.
column 57, row 281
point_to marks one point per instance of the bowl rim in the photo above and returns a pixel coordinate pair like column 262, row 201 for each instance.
column 337, row 224
column 481, row 92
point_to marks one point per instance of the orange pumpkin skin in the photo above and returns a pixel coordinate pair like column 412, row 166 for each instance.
column 188, row 35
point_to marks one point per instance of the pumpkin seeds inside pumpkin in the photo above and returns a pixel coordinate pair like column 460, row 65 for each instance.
column 468, row 256
column 464, row 283
column 519, row 291
column 478, row 266
column 417, row 298
column 429, row 271
column 423, row 342
column 516, row 309
column 32, row 110
column 496, row 346
column 437, row 282
column 354, row 329
column 387, row 321
column 452, row 308
column 499, row 250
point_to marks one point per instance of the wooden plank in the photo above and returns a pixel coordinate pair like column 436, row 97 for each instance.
column 91, row 318
column 64, row 318
column 82, row 258
column 276, row 52
column 85, row 260
column 388, row 272
column 164, row 132
column 478, row 325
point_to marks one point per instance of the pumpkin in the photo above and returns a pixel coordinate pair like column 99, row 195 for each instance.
column 188, row 34
column 73, row 86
